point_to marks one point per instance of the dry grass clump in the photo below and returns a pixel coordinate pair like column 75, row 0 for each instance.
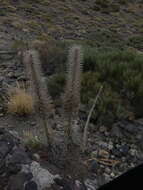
column 20, row 102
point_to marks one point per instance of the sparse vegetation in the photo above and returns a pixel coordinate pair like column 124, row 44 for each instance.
column 107, row 6
column 31, row 140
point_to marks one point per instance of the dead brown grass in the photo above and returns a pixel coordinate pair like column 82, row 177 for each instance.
column 20, row 102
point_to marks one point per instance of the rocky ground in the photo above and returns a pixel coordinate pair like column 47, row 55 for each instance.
column 116, row 150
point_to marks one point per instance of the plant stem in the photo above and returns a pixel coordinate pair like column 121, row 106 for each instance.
column 88, row 119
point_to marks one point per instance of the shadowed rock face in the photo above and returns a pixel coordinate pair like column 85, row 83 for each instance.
column 13, row 158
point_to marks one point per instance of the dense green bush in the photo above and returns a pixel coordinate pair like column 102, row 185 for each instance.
column 107, row 6
column 103, row 3
column 124, row 2
column 53, row 55
column 136, row 41
column 122, row 70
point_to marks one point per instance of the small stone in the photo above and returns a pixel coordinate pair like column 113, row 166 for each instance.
column 1, row 114
column 112, row 156
column 100, row 179
column 124, row 149
column 91, row 184
column 139, row 136
column 25, row 30
column 132, row 165
column 102, row 129
column 1, row 79
column 33, row 123
column 116, row 132
column 1, row 109
column 107, row 178
column 123, row 159
column 31, row 186
column 22, row 78
column 103, row 154
column 19, row 156
column 110, row 146
column 112, row 175
column 43, row 177
column 108, row 170
column 94, row 166
column 92, row 127
column 140, row 155
column 10, row 74
column 36, row 157
column 106, row 133
column 133, row 152
column 102, row 166
column 103, row 144
column 117, row 146
column 94, row 154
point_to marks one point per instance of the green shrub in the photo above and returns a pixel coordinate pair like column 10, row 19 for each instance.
column 53, row 55
column 103, row 3
column 122, row 72
column 90, row 86
column 110, row 107
column 136, row 41
column 124, row 2
column 114, row 7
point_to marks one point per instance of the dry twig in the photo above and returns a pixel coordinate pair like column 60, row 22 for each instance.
column 88, row 119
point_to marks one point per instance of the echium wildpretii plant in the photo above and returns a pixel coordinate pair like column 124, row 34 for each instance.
column 71, row 100
column 39, row 89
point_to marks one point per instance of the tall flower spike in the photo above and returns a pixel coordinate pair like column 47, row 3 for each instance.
column 33, row 66
column 73, row 81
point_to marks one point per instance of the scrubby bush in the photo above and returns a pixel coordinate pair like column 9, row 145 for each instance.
column 90, row 86
column 107, row 6
column 103, row 3
column 136, row 41
column 124, row 2
column 122, row 71
column 31, row 140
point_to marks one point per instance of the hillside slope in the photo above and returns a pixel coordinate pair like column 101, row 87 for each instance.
column 101, row 22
